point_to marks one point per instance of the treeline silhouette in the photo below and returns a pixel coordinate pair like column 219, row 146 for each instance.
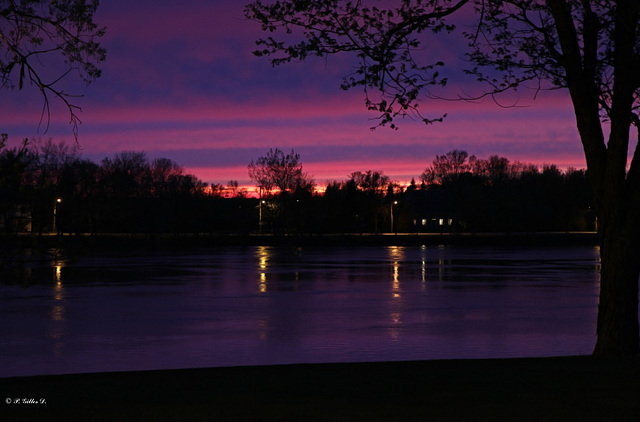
column 458, row 193
column 51, row 188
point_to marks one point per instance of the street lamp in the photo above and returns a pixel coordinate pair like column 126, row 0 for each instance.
column 55, row 212
column 261, row 201
column 260, row 223
column 391, row 210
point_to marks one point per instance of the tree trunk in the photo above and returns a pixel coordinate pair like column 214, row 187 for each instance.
column 618, row 330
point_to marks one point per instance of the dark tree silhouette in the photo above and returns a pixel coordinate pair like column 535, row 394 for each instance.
column 16, row 168
column 47, row 182
column 447, row 167
column 129, row 194
column 496, row 168
column 79, row 189
column 277, row 170
column 165, row 176
column 367, row 190
column 282, row 173
column 39, row 36
column 590, row 48
column 127, row 174
column 372, row 181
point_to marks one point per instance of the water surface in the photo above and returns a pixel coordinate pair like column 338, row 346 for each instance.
column 278, row 305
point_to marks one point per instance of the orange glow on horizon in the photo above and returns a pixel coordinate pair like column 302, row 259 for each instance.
column 325, row 173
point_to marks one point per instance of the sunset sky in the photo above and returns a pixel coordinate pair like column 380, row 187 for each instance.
column 180, row 82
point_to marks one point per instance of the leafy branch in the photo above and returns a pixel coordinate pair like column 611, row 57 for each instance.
column 384, row 41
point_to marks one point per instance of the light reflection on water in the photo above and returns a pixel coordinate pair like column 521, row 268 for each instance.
column 273, row 305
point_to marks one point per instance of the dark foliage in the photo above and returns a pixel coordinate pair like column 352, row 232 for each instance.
column 50, row 188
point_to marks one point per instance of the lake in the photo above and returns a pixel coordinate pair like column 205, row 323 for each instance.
column 258, row 305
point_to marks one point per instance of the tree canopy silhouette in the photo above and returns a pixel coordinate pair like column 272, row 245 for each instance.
column 590, row 48
column 42, row 42
column 447, row 166
column 373, row 181
column 279, row 170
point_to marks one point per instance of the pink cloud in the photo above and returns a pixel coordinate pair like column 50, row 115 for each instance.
column 326, row 128
column 180, row 81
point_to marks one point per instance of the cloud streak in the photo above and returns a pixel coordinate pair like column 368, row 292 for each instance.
column 180, row 82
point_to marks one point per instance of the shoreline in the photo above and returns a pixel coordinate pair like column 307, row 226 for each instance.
column 310, row 239
column 556, row 388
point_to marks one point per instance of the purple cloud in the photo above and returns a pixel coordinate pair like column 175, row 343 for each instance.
column 180, row 82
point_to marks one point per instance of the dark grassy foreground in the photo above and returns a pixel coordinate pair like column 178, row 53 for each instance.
column 563, row 389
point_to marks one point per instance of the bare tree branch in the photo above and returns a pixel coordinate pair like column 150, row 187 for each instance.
column 36, row 36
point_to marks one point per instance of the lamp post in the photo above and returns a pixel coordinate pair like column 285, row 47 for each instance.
column 260, row 211
column 391, row 210
column 55, row 212
column 260, row 223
